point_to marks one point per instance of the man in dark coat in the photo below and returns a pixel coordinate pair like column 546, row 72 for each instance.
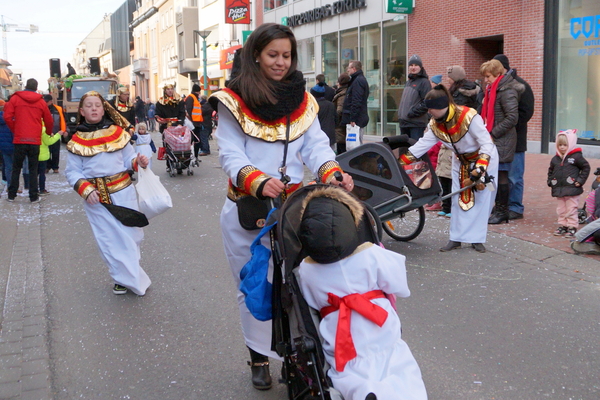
column 412, row 113
column 354, row 111
column 517, row 168
column 329, row 91
column 207, row 126
column 140, row 109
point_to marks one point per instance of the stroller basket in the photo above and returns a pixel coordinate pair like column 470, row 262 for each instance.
column 179, row 138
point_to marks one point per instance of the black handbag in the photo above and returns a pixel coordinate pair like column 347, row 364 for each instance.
column 252, row 212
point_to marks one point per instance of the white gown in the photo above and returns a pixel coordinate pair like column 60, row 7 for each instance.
column 467, row 226
column 237, row 150
column 142, row 146
column 384, row 364
column 119, row 245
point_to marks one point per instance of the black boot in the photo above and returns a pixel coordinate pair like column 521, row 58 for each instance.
column 451, row 246
column 371, row 396
column 259, row 364
column 501, row 214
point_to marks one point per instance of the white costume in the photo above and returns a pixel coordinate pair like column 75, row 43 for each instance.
column 142, row 146
column 239, row 151
column 466, row 226
column 384, row 364
column 119, row 245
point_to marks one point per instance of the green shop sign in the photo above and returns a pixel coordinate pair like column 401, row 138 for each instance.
column 399, row 6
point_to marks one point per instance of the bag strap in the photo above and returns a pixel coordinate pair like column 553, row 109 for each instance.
column 263, row 231
column 282, row 170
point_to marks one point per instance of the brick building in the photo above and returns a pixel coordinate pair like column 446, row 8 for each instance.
column 553, row 44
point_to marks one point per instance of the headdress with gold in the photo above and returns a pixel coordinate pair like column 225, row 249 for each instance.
column 169, row 101
column 109, row 111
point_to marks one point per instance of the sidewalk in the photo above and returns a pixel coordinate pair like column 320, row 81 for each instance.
column 540, row 206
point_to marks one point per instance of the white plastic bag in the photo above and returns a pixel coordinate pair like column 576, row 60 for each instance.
column 153, row 198
column 352, row 136
column 188, row 123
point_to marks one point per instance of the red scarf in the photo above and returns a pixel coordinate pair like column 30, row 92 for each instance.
column 489, row 101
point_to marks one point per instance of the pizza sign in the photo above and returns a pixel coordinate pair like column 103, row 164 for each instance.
column 237, row 12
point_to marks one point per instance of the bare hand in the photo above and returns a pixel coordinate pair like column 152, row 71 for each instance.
column 273, row 188
column 93, row 198
column 142, row 160
column 346, row 183
column 353, row 124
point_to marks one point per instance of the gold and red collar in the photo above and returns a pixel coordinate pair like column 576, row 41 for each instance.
column 269, row 131
column 456, row 127
column 88, row 144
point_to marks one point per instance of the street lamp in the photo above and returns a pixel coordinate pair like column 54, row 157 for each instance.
column 204, row 35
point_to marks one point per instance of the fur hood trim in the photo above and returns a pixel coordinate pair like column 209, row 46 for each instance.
column 338, row 194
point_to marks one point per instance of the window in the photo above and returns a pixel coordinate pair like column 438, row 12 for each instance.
column 348, row 46
column 330, row 57
column 578, row 83
column 394, row 74
column 370, row 38
column 306, row 55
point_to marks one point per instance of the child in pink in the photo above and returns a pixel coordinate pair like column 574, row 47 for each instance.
column 566, row 176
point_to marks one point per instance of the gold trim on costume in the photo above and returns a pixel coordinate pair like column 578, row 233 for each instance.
column 327, row 170
column 88, row 144
column 456, row 128
column 250, row 178
column 269, row 132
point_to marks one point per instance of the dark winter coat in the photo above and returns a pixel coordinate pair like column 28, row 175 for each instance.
column 327, row 118
column 465, row 93
column 412, row 112
column 6, row 137
column 526, row 107
column 506, row 115
column 170, row 111
column 207, row 111
column 338, row 102
column 329, row 92
column 129, row 114
column 563, row 174
column 355, row 103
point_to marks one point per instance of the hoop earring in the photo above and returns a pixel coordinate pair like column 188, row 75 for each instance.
column 256, row 60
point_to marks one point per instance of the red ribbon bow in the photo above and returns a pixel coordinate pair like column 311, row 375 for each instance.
column 344, row 346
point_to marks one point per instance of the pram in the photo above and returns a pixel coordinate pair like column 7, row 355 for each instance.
column 295, row 333
column 397, row 193
column 178, row 153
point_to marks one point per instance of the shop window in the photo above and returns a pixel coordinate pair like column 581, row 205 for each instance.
column 578, row 83
column 329, row 58
column 394, row 74
column 306, row 55
column 370, row 40
column 348, row 47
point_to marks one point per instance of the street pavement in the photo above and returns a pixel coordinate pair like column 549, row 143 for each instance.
column 518, row 322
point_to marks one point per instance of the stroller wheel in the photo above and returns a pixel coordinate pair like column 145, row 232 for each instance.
column 405, row 226
column 191, row 172
column 188, row 172
column 179, row 171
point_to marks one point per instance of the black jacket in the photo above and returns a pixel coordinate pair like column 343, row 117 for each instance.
column 465, row 93
column 562, row 175
column 506, row 115
column 329, row 92
column 129, row 114
column 526, row 107
column 355, row 103
column 207, row 112
column 412, row 112
column 327, row 117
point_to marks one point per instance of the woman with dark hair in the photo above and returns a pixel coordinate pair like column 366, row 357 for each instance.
column 268, row 129
column 500, row 113
column 461, row 130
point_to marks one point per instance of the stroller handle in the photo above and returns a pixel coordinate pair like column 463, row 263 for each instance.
column 398, row 141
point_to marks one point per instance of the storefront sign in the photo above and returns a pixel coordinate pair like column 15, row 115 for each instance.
column 237, row 12
column 328, row 10
column 245, row 35
column 399, row 6
column 587, row 27
column 227, row 57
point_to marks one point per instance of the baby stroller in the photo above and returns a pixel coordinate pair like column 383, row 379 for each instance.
column 397, row 193
column 178, row 153
column 295, row 324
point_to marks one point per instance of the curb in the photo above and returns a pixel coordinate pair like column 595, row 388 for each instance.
column 24, row 350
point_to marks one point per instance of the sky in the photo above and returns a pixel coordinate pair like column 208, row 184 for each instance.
column 62, row 26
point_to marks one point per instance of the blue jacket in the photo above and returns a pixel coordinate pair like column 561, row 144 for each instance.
column 6, row 137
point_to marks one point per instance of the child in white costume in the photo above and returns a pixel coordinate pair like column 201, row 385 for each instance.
column 347, row 281
column 144, row 143
column 99, row 155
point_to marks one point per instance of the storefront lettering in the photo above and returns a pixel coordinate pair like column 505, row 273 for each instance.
column 237, row 13
column 587, row 25
column 589, row 52
column 326, row 11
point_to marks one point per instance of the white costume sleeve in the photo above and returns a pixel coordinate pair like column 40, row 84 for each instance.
column 316, row 150
column 424, row 144
column 478, row 130
column 391, row 272
column 129, row 155
column 74, row 169
column 232, row 143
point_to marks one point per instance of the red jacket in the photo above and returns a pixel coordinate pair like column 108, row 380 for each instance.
column 24, row 114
